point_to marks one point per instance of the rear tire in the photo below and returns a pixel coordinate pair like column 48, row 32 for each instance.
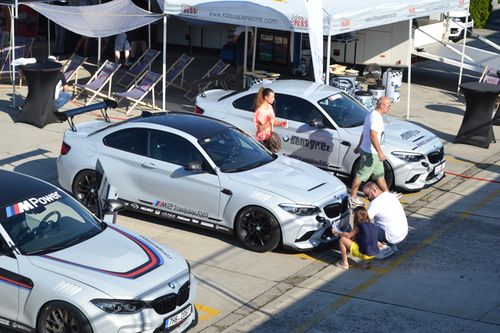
column 257, row 229
column 85, row 189
column 61, row 317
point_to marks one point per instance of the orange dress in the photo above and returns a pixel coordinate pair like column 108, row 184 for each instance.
column 264, row 115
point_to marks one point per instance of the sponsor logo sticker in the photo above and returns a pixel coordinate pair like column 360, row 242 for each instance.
column 31, row 203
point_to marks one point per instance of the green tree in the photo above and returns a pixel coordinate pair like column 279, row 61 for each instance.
column 480, row 11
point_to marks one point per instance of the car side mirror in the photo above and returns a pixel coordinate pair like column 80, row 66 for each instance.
column 114, row 205
column 317, row 123
column 194, row 166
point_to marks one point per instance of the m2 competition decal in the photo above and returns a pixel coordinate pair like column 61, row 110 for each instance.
column 182, row 210
column 31, row 203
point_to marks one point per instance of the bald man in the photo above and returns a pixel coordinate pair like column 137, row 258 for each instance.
column 372, row 158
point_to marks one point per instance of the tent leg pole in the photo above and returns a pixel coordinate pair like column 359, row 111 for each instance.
column 463, row 53
column 245, row 57
column 328, row 52
column 13, row 53
column 164, row 64
column 254, row 49
column 410, row 42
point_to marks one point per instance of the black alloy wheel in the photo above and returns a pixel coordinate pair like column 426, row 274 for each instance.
column 85, row 189
column 61, row 317
column 257, row 229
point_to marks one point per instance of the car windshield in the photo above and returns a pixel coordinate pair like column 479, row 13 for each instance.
column 233, row 151
column 48, row 222
column 344, row 110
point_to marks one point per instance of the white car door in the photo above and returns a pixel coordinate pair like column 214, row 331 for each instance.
column 120, row 160
column 191, row 195
column 10, row 285
column 309, row 136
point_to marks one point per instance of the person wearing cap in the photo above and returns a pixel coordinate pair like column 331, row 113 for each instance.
column 61, row 94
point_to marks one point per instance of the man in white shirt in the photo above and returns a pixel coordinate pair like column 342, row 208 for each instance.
column 388, row 215
column 372, row 158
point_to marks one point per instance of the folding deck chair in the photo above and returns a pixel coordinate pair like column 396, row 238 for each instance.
column 213, row 75
column 71, row 67
column 177, row 68
column 6, row 59
column 138, row 68
column 136, row 93
column 98, row 81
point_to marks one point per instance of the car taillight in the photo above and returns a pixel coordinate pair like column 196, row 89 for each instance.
column 65, row 148
column 198, row 110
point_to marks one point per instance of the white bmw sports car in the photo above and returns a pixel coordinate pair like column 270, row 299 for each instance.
column 324, row 127
column 205, row 172
column 64, row 270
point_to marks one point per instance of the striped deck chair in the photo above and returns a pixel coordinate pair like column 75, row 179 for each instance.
column 177, row 69
column 98, row 81
column 6, row 59
column 138, row 68
column 136, row 93
column 72, row 66
column 210, row 77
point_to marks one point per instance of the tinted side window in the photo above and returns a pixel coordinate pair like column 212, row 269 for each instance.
column 172, row 148
column 295, row 108
column 132, row 140
column 245, row 103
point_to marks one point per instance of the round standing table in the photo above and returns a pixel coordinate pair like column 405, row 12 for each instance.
column 476, row 128
column 39, row 106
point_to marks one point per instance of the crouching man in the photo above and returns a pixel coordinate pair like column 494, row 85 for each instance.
column 389, row 217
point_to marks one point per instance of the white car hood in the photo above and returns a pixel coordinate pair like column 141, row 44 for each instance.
column 402, row 135
column 291, row 179
column 116, row 262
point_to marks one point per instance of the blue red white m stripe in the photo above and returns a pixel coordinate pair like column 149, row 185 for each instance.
column 155, row 260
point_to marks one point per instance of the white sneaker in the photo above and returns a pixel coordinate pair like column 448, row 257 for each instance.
column 397, row 195
column 356, row 201
column 384, row 252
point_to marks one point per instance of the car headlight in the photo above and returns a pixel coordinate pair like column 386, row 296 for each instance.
column 407, row 156
column 456, row 19
column 301, row 210
column 119, row 306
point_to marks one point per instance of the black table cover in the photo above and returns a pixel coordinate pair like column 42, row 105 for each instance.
column 476, row 128
column 39, row 106
column 496, row 117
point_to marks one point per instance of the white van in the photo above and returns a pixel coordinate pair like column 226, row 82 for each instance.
column 457, row 23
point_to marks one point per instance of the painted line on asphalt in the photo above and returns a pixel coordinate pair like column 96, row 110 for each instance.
column 306, row 326
column 205, row 312
column 305, row 256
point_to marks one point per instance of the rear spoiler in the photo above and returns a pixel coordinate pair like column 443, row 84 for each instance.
column 70, row 114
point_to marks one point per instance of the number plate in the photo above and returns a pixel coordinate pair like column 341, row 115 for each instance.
column 174, row 320
column 438, row 168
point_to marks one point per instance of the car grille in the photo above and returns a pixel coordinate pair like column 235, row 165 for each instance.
column 167, row 303
column 436, row 156
column 336, row 209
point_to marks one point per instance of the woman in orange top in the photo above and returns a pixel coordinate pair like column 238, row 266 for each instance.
column 264, row 118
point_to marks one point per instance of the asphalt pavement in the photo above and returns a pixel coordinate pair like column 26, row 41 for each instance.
column 443, row 278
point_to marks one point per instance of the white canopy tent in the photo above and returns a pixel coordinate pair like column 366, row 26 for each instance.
column 338, row 16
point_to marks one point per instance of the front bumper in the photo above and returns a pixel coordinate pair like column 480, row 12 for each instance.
column 308, row 232
column 147, row 320
column 414, row 176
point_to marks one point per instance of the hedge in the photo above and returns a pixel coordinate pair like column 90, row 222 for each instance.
column 480, row 11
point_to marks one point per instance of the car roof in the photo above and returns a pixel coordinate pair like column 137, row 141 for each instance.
column 16, row 187
column 193, row 124
column 305, row 89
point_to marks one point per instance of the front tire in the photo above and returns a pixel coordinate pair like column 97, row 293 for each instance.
column 61, row 317
column 85, row 189
column 257, row 229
